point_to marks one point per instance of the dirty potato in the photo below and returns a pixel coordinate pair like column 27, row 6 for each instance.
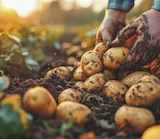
column 91, row 63
column 145, row 92
column 79, row 75
column 79, row 84
column 135, row 119
column 60, row 71
column 113, row 57
column 95, row 82
column 70, row 94
column 115, row 90
column 101, row 48
column 133, row 77
column 109, row 74
column 69, row 109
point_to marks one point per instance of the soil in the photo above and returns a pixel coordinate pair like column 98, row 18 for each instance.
column 101, row 122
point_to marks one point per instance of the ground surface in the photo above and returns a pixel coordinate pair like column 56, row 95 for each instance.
column 101, row 122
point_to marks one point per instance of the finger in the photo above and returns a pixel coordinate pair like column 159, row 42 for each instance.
column 150, row 54
column 123, row 35
column 129, row 31
column 134, row 55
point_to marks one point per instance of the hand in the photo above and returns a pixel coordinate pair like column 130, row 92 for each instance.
column 147, row 44
column 113, row 22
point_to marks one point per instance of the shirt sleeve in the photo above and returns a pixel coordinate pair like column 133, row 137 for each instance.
column 124, row 5
column 156, row 5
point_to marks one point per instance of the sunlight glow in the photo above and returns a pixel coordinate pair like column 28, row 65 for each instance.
column 22, row 7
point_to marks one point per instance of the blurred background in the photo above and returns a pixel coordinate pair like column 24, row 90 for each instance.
column 35, row 30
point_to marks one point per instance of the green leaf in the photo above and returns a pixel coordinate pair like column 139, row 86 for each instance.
column 4, row 83
column 66, row 126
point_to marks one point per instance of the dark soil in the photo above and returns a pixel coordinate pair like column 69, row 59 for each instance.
column 101, row 121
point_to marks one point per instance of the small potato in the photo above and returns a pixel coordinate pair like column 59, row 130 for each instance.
column 79, row 84
column 70, row 94
column 60, row 71
column 133, row 77
column 115, row 90
column 39, row 101
column 72, row 61
column 79, row 75
column 91, row 63
column 109, row 74
column 134, row 118
column 152, row 132
column 114, row 56
column 69, row 109
column 95, row 82
column 145, row 92
column 101, row 48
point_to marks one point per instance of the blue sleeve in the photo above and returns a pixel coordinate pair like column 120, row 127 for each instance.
column 156, row 5
column 124, row 5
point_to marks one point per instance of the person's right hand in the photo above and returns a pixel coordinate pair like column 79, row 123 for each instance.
column 112, row 23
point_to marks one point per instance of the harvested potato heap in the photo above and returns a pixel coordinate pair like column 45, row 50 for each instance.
column 97, row 72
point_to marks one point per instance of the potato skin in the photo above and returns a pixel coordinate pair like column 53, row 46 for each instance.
column 115, row 90
column 79, row 75
column 151, row 132
column 68, row 110
column 135, row 118
column 95, row 82
column 70, row 94
column 101, row 48
column 145, row 92
column 133, row 77
column 91, row 63
column 114, row 56
column 60, row 71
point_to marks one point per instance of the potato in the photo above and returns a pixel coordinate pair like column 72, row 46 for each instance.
column 39, row 101
column 95, row 82
column 152, row 132
column 101, row 48
column 109, row 74
column 91, row 63
column 69, row 109
column 145, row 92
column 72, row 60
column 114, row 56
column 133, row 77
column 79, row 75
column 115, row 89
column 134, row 118
column 70, row 94
column 60, row 71
column 79, row 84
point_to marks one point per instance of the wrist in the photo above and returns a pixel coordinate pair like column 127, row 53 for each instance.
column 117, row 14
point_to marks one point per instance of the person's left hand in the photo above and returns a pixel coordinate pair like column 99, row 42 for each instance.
column 147, row 44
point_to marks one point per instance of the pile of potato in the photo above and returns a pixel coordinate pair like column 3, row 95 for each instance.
column 97, row 72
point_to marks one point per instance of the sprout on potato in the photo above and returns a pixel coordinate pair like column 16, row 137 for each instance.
column 135, row 119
